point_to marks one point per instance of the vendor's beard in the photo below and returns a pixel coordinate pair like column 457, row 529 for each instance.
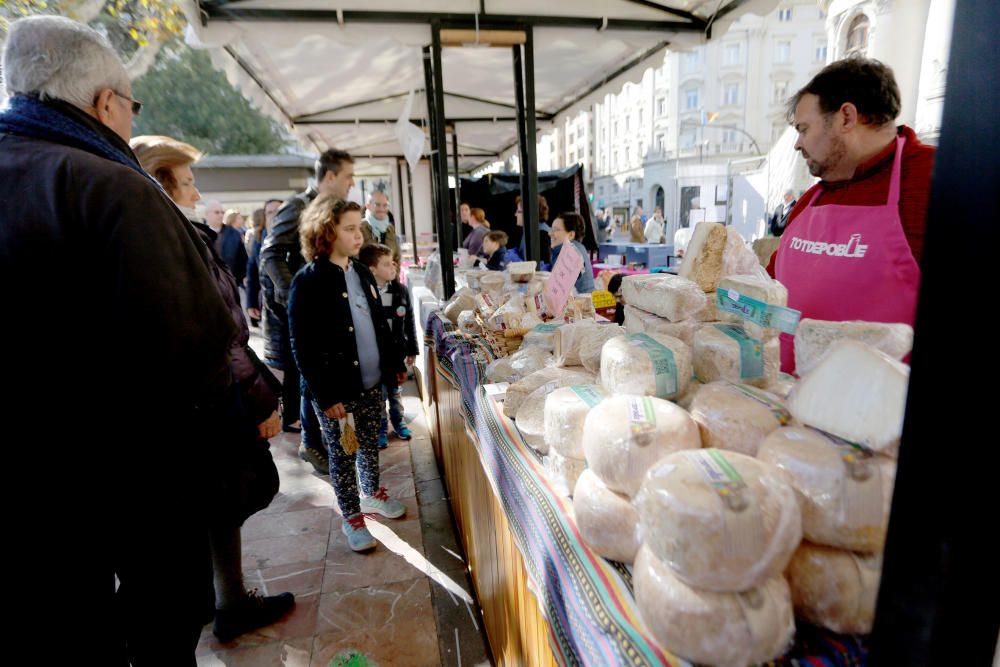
column 836, row 154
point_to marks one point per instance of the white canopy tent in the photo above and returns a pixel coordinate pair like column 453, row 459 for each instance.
column 339, row 73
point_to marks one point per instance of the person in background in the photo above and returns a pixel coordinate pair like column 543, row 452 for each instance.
column 567, row 229
column 254, row 237
column 228, row 242
column 655, row 227
column 779, row 220
column 377, row 227
column 345, row 353
column 399, row 316
column 480, row 227
column 604, row 224
column 636, row 227
column 236, row 222
column 545, row 251
column 495, row 247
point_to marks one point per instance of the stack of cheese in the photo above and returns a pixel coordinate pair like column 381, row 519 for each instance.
column 621, row 438
column 651, row 364
column 718, row 530
column 737, row 417
column 841, row 466
column 525, row 401
column 564, row 413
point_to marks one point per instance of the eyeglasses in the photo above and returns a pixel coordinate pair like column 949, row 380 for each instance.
column 136, row 104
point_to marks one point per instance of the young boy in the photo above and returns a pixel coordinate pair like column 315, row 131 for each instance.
column 495, row 248
column 399, row 317
column 345, row 354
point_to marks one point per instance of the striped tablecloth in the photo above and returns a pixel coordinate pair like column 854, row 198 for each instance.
column 587, row 599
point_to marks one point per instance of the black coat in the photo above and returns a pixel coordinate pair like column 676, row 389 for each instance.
column 280, row 259
column 322, row 332
column 229, row 245
column 400, row 314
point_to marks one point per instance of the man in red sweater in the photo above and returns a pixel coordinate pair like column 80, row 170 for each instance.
column 853, row 243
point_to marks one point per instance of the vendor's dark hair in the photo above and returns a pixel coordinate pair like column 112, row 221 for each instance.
column 573, row 222
column 867, row 84
column 331, row 159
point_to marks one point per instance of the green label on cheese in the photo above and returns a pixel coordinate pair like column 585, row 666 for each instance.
column 779, row 411
column 587, row 394
column 751, row 351
column 664, row 365
column 766, row 315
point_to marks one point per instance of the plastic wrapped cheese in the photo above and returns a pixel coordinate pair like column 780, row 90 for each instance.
column 501, row 370
column 759, row 288
column 543, row 336
column 593, row 342
column 521, row 272
column 493, row 281
column 528, row 360
column 624, row 435
column 467, row 322
column 844, row 493
column 857, row 393
column 728, row 352
column 782, row 386
column 566, row 410
column 835, row 589
column 530, row 419
column 739, row 258
column 814, row 337
column 463, row 299
column 685, row 399
column 568, row 339
column 736, row 416
column 703, row 256
column 725, row 629
column 608, row 521
column 639, row 321
column 663, row 294
column 647, row 363
column 722, row 521
column 563, row 472
column 487, row 303
column 550, row 376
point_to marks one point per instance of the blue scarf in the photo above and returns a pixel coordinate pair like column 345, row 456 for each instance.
column 61, row 123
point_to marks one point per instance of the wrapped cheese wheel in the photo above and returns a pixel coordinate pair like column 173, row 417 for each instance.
column 608, row 521
column 725, row 629
column 703, row 258
column 736, row 417
column 687, row 398
column 814, row 337
column 467, row 322
column 463, row 299
column 639, row 321
column 501, row 370
column 783, row 386
column 530, row 419
column 722, row 521
column 647, row 363
column 844, row 492
column 760, row 288
column 521, row 272
column 542, row 336
column 624, row 435
column 835, row 589
column 728, row 352
column 857, row 393
column 551, row 377
column 563, row 472
column 593, row 342
column 566, row 410
column 528, row 360
column 492, row 281
column 568, row 339
column 663, row 294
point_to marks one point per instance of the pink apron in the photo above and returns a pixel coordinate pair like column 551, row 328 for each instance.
column 848, row 263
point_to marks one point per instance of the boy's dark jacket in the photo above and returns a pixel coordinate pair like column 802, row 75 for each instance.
column 322, row 332
column 400, row 313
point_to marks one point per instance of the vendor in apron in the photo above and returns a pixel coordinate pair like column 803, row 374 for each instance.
column 852, row 247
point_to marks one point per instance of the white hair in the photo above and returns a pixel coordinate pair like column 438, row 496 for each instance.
column 371, row 195
column 58, row 58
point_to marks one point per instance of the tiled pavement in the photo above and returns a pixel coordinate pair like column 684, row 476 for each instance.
column 408, row 603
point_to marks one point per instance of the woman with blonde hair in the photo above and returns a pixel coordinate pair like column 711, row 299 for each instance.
column 480, row 228
column 248, row 481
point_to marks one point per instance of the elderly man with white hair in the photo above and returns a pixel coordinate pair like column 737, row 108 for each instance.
column 378, row 228
column 118, row 392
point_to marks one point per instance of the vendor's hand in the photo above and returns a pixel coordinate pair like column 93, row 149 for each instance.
column 336, row 411
column 409, row 360
column 271, row 427
column 254, row 313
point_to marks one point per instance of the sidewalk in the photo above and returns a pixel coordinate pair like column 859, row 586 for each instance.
column 407, row 603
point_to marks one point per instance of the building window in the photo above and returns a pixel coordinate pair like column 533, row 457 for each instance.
column 780, row 92
column 785, row 15
column 857, row 35
column 731, row 94
column 661, row 106
column 783, row 52
column 626, row 123
column 628, row 157
column 661, row 143
column 615, row 129
column 572, row 158
column 688, row 138
column 642, row 150
column 640, row 117
column 692, row 61
column 600, row 190
column 734, row 54
column 821, row 51
column 691, row 99
column 822, row 15
column 729, row 137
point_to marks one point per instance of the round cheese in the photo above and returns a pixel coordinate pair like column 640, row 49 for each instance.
column 737, row 629
column 844, row 493
column 736, row 416
column 835, row 589
column 647, row 363
column 563, row 472
column 607, row 520
column 593, row 342
column 728, row 352
column 530, row 419
column 721, row 520
column 565, row 411
column 549, row 376
column 624, row 435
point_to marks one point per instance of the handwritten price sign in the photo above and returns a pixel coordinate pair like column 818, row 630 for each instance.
column 564, row 276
